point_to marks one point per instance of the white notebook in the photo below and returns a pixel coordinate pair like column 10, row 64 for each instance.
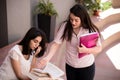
column 51, row 69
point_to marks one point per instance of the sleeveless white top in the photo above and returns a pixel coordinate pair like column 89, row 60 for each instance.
column 6, row 70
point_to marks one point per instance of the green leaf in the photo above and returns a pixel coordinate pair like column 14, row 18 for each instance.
column 45, row 7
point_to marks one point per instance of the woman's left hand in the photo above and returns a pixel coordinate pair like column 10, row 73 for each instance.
column 38, row 50
column 82, row 49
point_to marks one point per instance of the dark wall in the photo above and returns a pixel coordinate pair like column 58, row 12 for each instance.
column 3, row 24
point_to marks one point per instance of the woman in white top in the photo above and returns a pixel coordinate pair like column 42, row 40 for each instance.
column 22, row 57
column 78, row 23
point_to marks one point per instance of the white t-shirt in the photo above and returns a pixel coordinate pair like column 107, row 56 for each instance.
column 71, row 55
column 6, row 70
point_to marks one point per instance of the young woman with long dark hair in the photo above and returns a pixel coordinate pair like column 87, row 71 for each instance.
column 78, row 23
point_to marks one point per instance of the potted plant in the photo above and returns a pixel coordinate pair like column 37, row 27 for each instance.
column 46, row 17
column 45, row 7
column 93, row 6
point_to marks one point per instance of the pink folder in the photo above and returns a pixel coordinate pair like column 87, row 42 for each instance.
column 89, row 40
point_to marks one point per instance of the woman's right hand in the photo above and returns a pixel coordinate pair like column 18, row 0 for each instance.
column 38, row 50
column 42, row 63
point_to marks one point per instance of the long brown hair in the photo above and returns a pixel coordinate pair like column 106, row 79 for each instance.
column 79, row 11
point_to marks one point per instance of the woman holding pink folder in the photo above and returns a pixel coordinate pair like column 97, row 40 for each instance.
column 77, row 24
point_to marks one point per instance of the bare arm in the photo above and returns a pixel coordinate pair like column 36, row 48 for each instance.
column 93, row 50
column 33, row 64
column 53, row 48
column 34, row 60
column 17, row 70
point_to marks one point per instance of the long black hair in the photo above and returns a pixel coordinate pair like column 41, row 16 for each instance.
column 81, row 12
column 31, row 34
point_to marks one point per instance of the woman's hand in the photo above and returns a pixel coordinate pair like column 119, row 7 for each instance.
column 42, row 63
column 82, row 49
column 38, row 50
column 93, row 50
